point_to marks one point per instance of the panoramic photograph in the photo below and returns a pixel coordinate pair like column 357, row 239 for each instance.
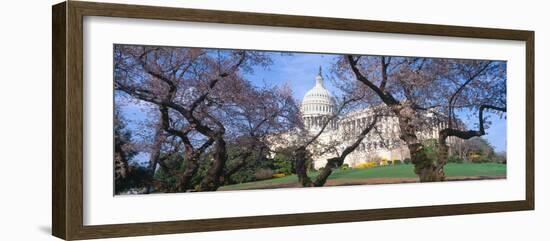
column 189, row 119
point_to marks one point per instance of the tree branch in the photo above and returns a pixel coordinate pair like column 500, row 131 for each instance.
column 452, row 100
column 387, row 98
column 384, row 70
column 443, row 134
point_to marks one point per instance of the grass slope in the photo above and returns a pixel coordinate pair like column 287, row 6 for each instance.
column 397, row 171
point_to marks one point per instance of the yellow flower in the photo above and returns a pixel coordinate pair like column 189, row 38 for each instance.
column 279, row 175
column 365, row 165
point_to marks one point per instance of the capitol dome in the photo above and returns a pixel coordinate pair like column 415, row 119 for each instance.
column 318, row 100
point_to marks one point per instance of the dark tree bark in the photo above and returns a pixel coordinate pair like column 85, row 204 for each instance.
column 423, row 166
column 191, row 158
column 300, row 157
column 211, row 181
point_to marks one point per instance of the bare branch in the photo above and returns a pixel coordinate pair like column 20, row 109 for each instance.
column 386, row 97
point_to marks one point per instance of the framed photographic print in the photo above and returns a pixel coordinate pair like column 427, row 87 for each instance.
column 171, row 120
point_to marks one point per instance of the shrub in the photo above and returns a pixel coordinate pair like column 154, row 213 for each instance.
column 262, row 174
column 479, row 158
column 407, row 161
column 455, row 159
column 500, row 157
column 384, row 162
column 283, row 163
column 485, row 159
column 364, row 165
column 136, row 179
column 244, row 175
column 344, row 166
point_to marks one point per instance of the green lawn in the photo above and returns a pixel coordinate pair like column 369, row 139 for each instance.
column 397, row 171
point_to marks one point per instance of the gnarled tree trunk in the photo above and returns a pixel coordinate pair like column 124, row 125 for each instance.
column 442, row 158
column 332, row 163
column 423, row 166
column 211, row 182
column 191, row 159
column 300, row 156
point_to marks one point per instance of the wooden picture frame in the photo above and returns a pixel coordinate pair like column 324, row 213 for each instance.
column 67, row 154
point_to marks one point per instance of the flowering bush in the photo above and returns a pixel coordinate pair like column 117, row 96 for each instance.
column 366, row 165
column 279, row 175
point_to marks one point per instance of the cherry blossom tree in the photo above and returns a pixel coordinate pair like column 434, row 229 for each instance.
column 477, row 87
column 200, row 102
column 256, row 115
column 412, row 87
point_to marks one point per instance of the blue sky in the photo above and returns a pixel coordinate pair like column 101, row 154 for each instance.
column 299, row 70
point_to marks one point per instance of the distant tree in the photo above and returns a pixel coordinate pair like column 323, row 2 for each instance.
column 500, row 157
column 479, row 150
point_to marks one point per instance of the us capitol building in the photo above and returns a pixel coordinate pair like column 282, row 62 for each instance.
column 382, row 142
